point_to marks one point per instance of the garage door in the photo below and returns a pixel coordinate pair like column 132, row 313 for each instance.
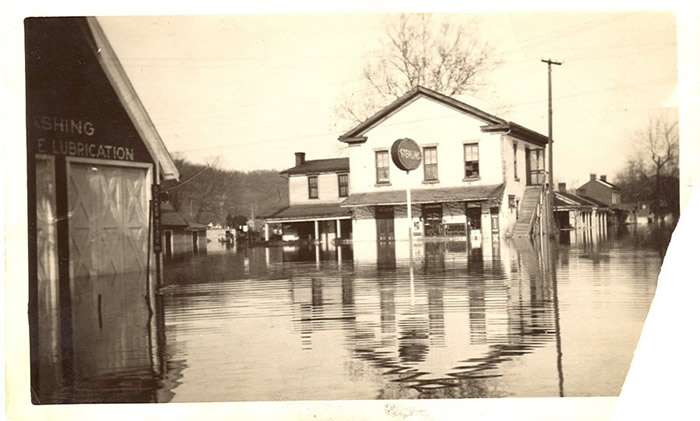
column 108, row 211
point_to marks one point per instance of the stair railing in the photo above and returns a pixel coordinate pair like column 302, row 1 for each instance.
column 536, row 214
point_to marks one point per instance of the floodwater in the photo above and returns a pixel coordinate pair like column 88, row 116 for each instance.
column 507, row 319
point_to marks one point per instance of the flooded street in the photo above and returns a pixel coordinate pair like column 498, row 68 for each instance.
column 275, row 324
column 288, row 323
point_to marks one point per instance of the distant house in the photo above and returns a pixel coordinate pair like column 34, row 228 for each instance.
column 180, row 236
column 316, row 189
column 603, row 191
column 637, row 213
column 573, row 212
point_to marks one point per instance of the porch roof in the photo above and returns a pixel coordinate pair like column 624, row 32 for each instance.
column 317, row 166
column 310, row 212
column 418, row 196
column 563, row 199
column 195, row 226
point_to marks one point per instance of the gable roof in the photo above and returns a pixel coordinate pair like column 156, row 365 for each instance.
column 169, row 217
column 314, row 166
column 126, row 93
column 605, row 183
column 493, row 123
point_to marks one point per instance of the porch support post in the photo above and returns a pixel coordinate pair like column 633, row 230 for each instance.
column 337, row 229
column 316, row 237
column 267, row 231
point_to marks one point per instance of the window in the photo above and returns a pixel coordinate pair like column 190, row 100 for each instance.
column 342, row 185
column 471, row 160
column 430, row 170
column 382, row 161
column 515, row 160
column 313, row 187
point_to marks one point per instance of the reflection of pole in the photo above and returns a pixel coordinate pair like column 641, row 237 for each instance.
column 408, row 212
column 551, row 254
column 410, row 277
column 410, row 238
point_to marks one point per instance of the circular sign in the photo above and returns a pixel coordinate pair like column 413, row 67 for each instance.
column 406, row 154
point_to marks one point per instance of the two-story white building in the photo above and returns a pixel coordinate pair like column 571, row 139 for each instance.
column 479, row 176
column 316, row 189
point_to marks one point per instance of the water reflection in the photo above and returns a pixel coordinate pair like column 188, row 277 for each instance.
column 373, row 321
column 114, row 354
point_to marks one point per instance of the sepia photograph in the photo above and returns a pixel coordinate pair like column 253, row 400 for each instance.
column 345, row 206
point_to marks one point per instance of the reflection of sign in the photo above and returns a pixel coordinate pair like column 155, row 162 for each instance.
column 155, row 203
column 406, row 154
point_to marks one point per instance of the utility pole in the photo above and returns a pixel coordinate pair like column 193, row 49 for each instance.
column 550, row 200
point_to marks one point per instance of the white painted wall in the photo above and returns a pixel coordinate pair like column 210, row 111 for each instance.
column 433, row 124
column 327, row 189
column 429, row 124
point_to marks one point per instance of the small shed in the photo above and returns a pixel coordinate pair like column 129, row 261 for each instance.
column 179, row 236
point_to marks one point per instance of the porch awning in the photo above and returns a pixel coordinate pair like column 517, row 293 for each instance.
column 310, row 213
column 427, row 195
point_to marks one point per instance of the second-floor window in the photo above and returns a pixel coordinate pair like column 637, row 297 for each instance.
column 430, row 168
column 342, row 185
column 382, row 163
column 471, row 160
column 313, row 187
column 515, row 160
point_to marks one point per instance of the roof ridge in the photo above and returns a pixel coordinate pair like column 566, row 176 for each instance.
column 409, row 97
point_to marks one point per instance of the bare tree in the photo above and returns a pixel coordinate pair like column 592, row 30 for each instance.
column 448, row 58
column 652, row 173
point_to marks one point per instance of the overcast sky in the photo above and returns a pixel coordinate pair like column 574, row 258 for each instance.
column 253, row 89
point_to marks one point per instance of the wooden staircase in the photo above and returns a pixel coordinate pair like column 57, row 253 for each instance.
column 528, row 212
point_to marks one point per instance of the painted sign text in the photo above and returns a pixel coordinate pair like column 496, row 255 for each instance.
column 87, row 150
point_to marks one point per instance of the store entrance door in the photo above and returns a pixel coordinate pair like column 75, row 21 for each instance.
column 385, row 223
column 432, row 219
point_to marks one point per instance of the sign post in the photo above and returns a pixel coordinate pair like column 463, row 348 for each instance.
column 406, row 154
column 155, row 200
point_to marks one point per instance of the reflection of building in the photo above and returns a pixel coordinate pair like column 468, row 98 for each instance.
column 476, row 170
column 447, row 332
column 112, row 341
column 93, row 155
column 316, row 188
